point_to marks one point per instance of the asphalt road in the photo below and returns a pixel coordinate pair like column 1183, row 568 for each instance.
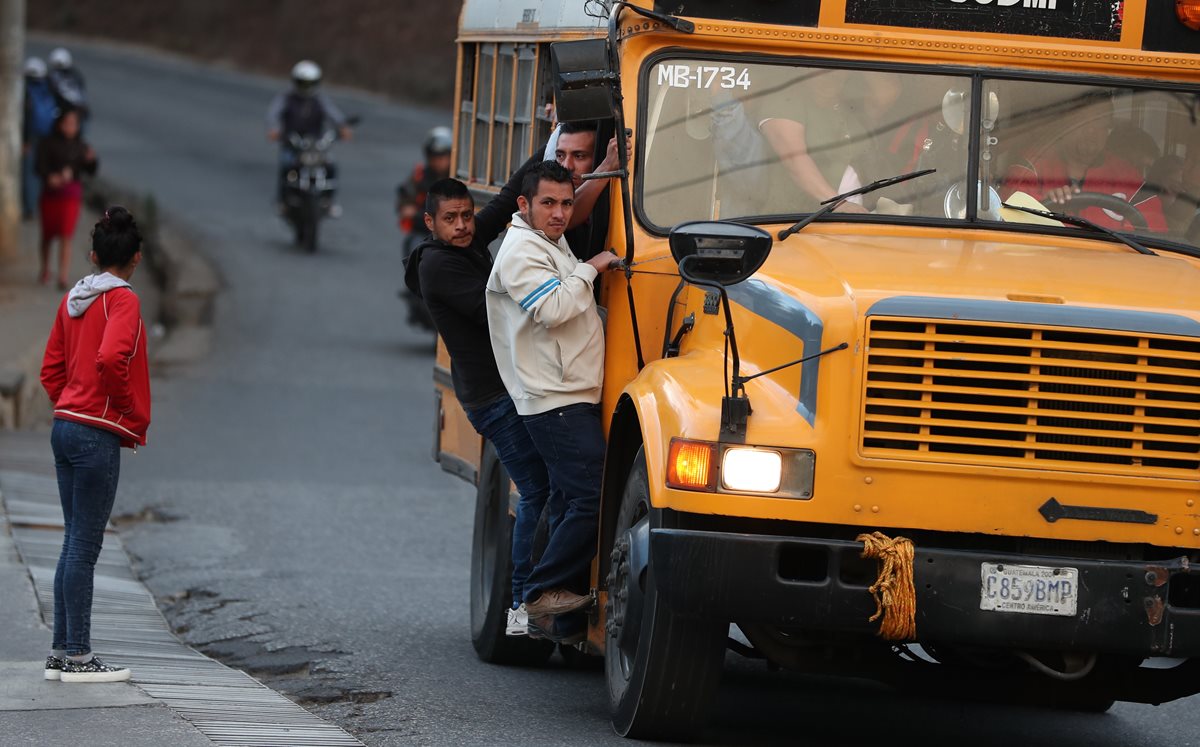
column 287, row 514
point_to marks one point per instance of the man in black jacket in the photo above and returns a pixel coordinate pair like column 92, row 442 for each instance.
column 448, row 271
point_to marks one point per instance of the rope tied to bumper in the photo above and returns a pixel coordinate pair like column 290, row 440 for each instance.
column 895, row 595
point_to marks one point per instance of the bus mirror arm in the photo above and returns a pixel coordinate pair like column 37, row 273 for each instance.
column 618, row 110
column 681, row 25
column 735, row 405
column 740, row 381
column 689, row 321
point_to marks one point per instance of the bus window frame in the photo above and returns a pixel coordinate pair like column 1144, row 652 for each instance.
column 477, row 166
column 977, row 76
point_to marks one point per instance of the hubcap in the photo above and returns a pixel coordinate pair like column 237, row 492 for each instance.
column 626, row 594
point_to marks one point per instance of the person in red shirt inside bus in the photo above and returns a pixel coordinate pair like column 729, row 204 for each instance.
column 1078, row 162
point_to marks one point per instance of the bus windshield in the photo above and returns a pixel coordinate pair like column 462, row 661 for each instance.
column 727, row 139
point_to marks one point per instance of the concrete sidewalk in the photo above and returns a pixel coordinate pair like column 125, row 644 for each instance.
column 34, row 711
column 178, row 696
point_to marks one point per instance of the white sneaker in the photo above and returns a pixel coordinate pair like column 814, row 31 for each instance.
column 518, row 622
column 93, row 671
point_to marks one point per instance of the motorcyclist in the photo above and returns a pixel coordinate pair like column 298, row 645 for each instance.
column 410, row 195
column 303, row 111
column 410, row 206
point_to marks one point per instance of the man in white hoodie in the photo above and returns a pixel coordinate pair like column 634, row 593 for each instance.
column 548, row 340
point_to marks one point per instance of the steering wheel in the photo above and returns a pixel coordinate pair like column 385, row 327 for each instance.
column 1112, row 203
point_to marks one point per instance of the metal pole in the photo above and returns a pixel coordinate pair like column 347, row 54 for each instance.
column 12, row 49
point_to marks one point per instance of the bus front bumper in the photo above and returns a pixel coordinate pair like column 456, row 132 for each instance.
column 1122, row 606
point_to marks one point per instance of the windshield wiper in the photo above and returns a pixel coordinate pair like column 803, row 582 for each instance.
column 834, row 202
column 1075, row 220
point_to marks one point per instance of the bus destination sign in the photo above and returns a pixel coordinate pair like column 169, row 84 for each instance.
column 1096, row 20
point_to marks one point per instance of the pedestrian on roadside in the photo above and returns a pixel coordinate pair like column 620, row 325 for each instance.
column 95, row 372
column 67, row 83
column 448, row 271
column 548, row 341
column 39, row 110
column 62, row 158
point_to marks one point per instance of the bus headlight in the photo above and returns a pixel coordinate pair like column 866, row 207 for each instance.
column 751, row 470
column 727, row 468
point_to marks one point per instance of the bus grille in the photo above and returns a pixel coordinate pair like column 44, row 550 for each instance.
column 1008, row 395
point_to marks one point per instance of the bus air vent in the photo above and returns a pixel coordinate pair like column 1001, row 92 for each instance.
column 1010, row 395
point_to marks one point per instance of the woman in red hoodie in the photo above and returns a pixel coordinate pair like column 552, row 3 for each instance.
column 96, row 373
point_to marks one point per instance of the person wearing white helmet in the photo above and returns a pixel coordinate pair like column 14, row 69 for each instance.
column 67, row 82
column 38, row 114
column 410, row 194
column 304, row 110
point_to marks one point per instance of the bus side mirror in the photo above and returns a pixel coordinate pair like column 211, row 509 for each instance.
column 583, row 80
column 720, row 253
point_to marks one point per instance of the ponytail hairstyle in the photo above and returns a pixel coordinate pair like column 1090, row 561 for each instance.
column 115, row 238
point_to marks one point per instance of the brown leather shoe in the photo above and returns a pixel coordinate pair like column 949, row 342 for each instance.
column 557, row 602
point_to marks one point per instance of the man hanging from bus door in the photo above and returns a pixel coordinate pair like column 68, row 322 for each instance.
column 573, row 146
column 448, row 271
column 548, row 341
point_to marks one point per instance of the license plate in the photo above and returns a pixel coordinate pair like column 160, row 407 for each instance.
column 1029, row 589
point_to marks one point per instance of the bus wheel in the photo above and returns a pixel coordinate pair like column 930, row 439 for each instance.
column 662, row 669
column 491, row 573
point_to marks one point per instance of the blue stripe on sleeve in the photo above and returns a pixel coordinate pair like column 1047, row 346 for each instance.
column 538, row 293
column 535, row 291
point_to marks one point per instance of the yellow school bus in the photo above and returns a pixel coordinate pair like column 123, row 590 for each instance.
column 902, row 369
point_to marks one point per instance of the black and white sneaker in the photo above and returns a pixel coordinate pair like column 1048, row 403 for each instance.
column 54, row 667
column 93, row 671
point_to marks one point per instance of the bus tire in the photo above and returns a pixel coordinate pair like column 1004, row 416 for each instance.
column 662, row 669
column 491, row 573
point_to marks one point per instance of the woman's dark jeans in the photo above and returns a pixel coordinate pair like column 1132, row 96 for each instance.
column 571, row 442
column 499, row 423
column 88, row 463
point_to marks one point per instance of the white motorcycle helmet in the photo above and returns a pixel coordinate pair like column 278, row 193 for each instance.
column 306, row 75
column 60, row 59
column 35, row 67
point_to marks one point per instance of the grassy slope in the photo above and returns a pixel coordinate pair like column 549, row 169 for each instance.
column 400, row 48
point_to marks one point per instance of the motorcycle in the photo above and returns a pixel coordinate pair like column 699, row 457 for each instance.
column 418, row 315
column 310, row 185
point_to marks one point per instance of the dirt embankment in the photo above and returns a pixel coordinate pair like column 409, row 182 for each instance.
column 399, row 48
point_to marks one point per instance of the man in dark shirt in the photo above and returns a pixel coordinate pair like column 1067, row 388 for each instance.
column 449, row 271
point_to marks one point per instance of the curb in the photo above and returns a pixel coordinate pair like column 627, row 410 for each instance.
column 227, row 706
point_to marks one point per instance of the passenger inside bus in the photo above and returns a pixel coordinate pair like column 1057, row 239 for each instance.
column 823, row 130
column 1070, row 155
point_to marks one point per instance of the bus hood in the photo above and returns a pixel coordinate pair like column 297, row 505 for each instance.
column 827, row 269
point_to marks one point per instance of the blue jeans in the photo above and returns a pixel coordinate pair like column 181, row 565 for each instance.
column 31, row 185
column 571, row 442
column 88, row 463
column 499, row 423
